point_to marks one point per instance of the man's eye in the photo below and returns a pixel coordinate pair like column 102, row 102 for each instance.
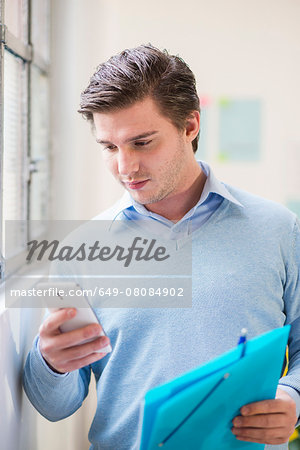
column 142, row 143
column 110, row 147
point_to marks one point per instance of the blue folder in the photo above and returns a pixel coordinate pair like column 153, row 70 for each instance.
column 195, row 411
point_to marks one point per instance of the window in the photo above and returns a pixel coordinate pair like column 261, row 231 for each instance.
column 24, row 121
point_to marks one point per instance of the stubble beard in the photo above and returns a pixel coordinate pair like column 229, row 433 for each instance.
column 169, row 173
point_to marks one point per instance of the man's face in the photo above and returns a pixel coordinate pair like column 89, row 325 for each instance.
column 144, row 151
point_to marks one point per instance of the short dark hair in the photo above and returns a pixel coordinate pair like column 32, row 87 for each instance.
column 136, row 73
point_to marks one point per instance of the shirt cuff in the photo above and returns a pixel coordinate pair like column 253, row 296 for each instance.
column 295, row 396
column 40, row 357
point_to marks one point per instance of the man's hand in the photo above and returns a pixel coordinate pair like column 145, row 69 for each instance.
column 267, row 422
column 64, row 352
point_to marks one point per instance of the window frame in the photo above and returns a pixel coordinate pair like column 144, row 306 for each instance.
column 26, row 52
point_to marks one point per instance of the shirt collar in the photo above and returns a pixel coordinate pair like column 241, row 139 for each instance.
column 212, row 185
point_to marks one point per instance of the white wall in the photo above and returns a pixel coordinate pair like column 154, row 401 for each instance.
column 236, row 48
column 81, row 38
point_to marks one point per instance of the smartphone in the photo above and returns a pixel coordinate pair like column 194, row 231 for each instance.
column 70, row 295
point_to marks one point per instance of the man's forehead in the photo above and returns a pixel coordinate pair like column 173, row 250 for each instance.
column 143, row 111
column 125, row 127
column 125, row 124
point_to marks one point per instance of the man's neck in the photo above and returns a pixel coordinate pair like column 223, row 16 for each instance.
column 175, row 207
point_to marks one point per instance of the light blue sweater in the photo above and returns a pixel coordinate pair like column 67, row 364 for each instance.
column 245, row 274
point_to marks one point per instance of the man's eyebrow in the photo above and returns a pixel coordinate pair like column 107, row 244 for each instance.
column 141, row 136
column 133, row 138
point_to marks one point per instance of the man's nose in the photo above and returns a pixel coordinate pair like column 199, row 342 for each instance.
column 128, row 163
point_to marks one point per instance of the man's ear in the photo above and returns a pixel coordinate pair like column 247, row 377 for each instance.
column 192, row 126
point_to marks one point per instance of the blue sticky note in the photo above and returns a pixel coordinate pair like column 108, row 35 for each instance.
column 196, row 410
column 239, row 130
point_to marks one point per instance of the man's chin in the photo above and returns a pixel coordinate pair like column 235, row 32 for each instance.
column 138, row 198
column 142, row 198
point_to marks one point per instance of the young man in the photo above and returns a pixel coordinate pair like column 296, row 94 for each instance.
column 145, row 112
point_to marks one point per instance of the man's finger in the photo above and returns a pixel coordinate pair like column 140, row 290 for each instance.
column 79, row 363
column 264, row 407
column 55, row 320
column 259, row 433
column 77, row 337
column 274, row 441
column 80, row 351
column 260, row 421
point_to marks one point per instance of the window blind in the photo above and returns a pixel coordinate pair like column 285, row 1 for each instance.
column 14, row 155
column 39, row 138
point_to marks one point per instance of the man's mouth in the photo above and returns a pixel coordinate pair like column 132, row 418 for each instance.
column 135, row 184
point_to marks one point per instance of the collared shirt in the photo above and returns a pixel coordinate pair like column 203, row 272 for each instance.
column 211, row 198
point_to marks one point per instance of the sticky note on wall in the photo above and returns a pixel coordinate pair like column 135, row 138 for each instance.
column 239, row 130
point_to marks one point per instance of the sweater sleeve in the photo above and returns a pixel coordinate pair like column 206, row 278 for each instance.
column 54, row 395
column 291, row 382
